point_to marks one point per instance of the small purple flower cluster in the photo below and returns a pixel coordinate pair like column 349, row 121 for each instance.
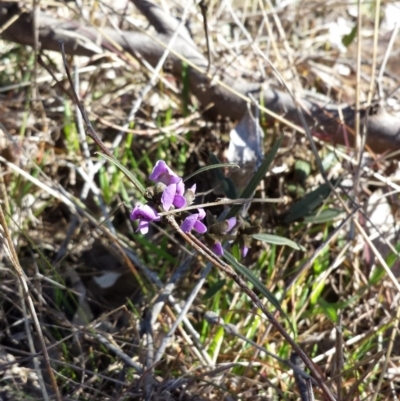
column 169, row 192
column 173, row 194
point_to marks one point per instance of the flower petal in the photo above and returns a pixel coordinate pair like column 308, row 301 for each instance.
column 199, row 227
column 162, row 173
column 180, row 188
column 167, row 197
column 148, row 213
column 231, row 223
column 144, row 211
column 179, row 201
column 143, row 226
column 245, row 250
column 135, row 213
column 145, row 214
column 202, row 214
column 169, row 179
column 189, row 223
column 159, row 168
column 217, row 249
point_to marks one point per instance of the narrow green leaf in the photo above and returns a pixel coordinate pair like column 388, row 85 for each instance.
column 308, row 203
column 316, row 292
column 277, row 240
column 329, row 309
column 105, row 185
column 323, row 217
column 257, row 177
column 226, row 183
column 212, row 166
column 244, row 271
column 393, row 256
column 379, row 272
column 154, row 251
column 377, row 275
column 212, row 291
column 130, row 176
column 347, row 40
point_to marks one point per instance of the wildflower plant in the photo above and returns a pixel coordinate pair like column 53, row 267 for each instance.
column 168, row 193
column 169, row 199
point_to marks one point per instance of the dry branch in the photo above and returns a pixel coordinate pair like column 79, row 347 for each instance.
column 383, row 129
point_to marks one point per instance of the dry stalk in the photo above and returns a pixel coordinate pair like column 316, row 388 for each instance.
column 12, row 255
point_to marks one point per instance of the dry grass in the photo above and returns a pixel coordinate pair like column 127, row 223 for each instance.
column 114, row 315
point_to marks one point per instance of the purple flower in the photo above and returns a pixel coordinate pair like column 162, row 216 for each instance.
column 245, row 250
column 217, row 249
column 222, row 230
column 231, row 223
column 193, row 222
column 145, row 214
column 162, row 173
column 173, row 193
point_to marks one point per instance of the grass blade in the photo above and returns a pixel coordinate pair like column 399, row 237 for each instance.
column 308, row 203
column 226, row 183
column 212, row 166
column 324, row 216
column 129, row 175
column 245, row 272
column 278, row 240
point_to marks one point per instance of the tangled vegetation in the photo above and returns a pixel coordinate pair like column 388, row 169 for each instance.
column 199, row 200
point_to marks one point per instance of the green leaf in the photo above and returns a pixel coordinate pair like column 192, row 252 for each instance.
column 393, row 256
column 227, row 184
column 329, row 160
column 379, row 272
column 296, row 190
column 131, row 177
column 302, row 170
column 323, row 216
column 316, row 292
column 257, row 177
column 377, row 275
column 244, row 271
column 211, row 167
column 105, row 185
column 214, row 289
column 154, row 252
column 307, row 204
column 277, row 240
column 329, row 309
column 348, row 39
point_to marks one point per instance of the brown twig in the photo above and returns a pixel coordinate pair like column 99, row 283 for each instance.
column 90, row 130
column 204, row 8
